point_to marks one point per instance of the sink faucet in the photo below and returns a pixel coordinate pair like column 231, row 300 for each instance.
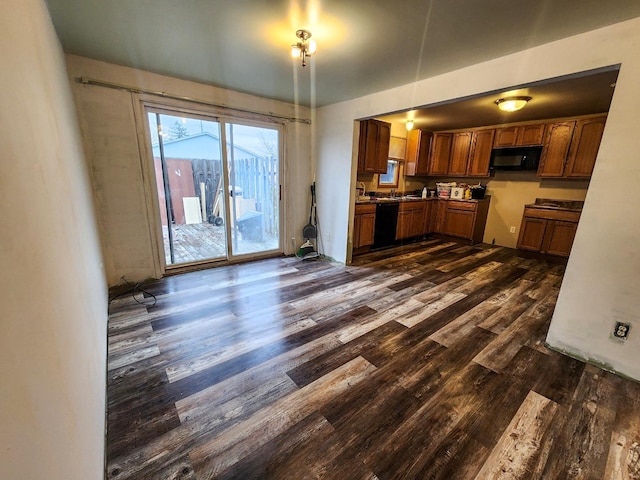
column 393, row 193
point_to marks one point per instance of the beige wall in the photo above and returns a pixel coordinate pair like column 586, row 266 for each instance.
column 510, row 192
column 52, row 288
column 600, row 285
column 115, row 144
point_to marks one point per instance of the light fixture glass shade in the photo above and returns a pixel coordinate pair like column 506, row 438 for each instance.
column 296, row 51
column 409, row 125
column 312, row 47
column 511, row 104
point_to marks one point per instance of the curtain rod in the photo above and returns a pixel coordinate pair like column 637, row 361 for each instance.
column 119, row 86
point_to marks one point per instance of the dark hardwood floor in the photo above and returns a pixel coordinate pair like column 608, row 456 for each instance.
column 421, row 362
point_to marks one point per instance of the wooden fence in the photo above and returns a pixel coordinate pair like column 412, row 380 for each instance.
column 256, row 178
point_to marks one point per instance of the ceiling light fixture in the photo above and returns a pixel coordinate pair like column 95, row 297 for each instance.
column 511, row 104
column 409, row 125
column 304, row 48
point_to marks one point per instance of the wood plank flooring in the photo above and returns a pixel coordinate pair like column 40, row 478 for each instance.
column 425, row 361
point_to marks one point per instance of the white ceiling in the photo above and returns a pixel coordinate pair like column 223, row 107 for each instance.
column 364, row 46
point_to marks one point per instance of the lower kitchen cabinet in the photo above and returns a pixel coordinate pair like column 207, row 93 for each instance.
column 364, row 222
column 548, row 231
column 438, row 216
column 466, row 219
column 411, row 219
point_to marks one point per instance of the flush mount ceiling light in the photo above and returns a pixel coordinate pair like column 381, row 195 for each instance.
column 409, row 125
column 304, row 48
column 511, row 104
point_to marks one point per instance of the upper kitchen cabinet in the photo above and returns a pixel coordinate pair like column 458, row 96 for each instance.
column 417, row 155
column 480, row 154
column 584, row 146
column 460, row 154
column 519, row 135
column 471, row 153
column 555, row 149
column 440, row 153
column 373, row 151
column 571, row 147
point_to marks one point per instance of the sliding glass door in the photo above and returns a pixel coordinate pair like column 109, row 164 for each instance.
column 218, row 187
column 255, row 191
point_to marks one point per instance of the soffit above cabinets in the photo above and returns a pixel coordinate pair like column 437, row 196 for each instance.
column 581, row 94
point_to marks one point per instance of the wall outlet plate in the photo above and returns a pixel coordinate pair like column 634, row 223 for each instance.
column 621, row 330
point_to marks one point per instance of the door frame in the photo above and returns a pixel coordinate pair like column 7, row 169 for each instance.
column 151, row 201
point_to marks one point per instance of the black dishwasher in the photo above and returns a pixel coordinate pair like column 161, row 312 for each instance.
column 386, row 221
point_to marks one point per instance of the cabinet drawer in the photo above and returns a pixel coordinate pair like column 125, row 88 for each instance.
column 411, row 205
column 468, row 206
column 365, row 208
column 552, row 214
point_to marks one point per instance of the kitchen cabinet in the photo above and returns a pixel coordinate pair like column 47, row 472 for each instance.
column 466, row 219
column 548, row 231
column 460, row 154
column 480, row 154
column 438, row 217
column 411, row 216
column 571, row 147
column 373, row 151
column 519, row 135
column 440, row 153
column 471, row 153
column 417, row 156
column 428, row 215
column 585, row 144
column 556, row 149
column 364, row 222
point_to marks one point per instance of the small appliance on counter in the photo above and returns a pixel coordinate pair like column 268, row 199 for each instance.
column 478, row 191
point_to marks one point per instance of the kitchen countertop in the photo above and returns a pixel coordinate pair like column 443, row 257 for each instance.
column 410, row 198
column 552, row 204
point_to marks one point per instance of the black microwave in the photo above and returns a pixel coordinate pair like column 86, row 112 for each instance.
column 518, row 158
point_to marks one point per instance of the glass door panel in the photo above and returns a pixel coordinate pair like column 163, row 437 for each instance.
column 254, row 179
column 190, row 183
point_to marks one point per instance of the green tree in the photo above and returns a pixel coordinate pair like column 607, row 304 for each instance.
column 177, row 130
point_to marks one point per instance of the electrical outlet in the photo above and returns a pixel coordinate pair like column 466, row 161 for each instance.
column 512, row 229
column 621, row 330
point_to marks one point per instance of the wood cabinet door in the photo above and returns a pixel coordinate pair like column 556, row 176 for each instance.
column 460, row 153
column 480, row 155
column 532, row 234
column 440, row 153
column 506, row 137
column 367, row 228
column 417, row 219
column 530, row 134
column 559, row 238
column 428, row 215
column 584, row 147
column 418, row 148
column 439, row 212
column 382, row 146
column 373, row 146
column 556, row 149
column 459, row 223
column 404, row 224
